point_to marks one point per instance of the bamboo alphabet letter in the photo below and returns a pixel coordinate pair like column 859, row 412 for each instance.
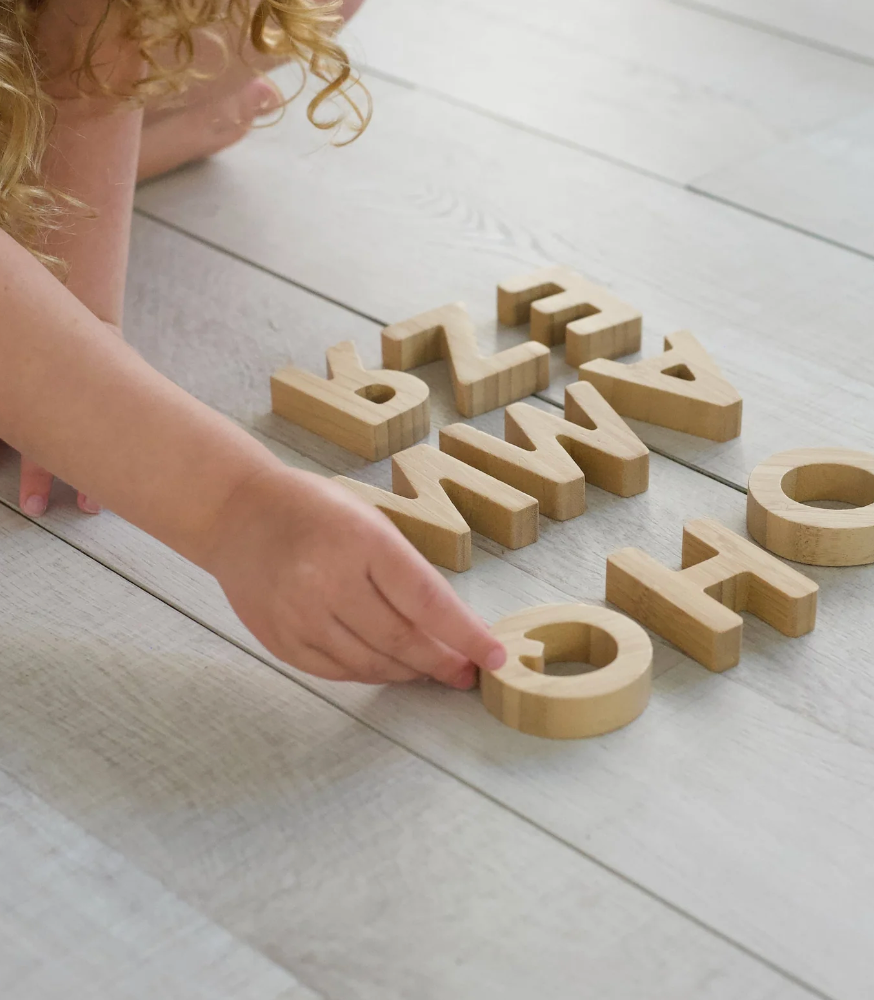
column 523, row 695
column 682, row 389
column 372, row 413
column 437, row 500
column 696, row 608
column 550, row 458
column 779, row 518
column 564, row 306
column 480, row 383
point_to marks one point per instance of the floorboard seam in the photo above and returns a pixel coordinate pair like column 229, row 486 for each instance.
column 241, row 647
column 521, row 126
column 615, row 161
column 174, row 227
column 777, row 221
column 771, row 29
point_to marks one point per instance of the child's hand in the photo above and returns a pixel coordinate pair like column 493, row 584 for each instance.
column 330, row 586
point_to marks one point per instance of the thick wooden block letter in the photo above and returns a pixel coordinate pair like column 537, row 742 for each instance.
column 696, row 608
column 550, row 458
column 437, row 500
column 564, row 306
column 778, row 515
column 480, row 383
column 372, row 413
column 523, row 695
column 681, row 389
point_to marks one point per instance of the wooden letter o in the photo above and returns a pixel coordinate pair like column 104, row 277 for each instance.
column 526, row 698
column 779, row 520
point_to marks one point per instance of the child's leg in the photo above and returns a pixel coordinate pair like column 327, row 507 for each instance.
column 214, row 114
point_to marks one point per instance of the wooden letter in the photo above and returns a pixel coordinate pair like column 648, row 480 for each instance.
column 372, row 413
column 681, row 389
column 778, row 516
column 696, row 608
column 523, row 695
column 437, row 500
column 564, row 306
column 551, row 458
column 481, row 384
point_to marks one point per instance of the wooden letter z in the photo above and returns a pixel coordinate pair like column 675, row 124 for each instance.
column 480, row 383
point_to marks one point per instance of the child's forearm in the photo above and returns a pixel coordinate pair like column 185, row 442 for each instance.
column 93, row 157
column 93, row 148
column 82, row 403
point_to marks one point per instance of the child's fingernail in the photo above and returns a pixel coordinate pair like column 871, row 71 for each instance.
column 90, row 506
column 496, row 659
column 34, row 505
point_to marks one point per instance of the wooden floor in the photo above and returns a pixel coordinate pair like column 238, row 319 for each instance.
column 183, row 817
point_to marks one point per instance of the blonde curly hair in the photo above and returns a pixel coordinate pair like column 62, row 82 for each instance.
column 164, row 33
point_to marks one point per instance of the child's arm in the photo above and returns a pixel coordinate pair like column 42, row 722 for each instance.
column 92, row 156
column 323, row 581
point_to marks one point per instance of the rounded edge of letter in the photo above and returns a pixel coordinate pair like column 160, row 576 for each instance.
column 780, row 520
column 614, row 693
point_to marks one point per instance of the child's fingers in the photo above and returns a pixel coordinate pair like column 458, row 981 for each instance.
column 35, row 485
column 418, row 592
column 360, row 660
column 378, row 624
column 87, row 505
column 313, row 661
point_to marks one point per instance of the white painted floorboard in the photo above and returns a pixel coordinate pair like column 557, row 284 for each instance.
column 698, row 799
column 437, row 204
column 821, row 183
column 171, row 803
column 667, row 89
column 749, row 816
column 78, row 920
column 846, row 25
column 297, row 829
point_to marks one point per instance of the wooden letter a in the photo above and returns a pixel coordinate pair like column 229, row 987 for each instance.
column 437, row 500
column 567, row 307
column 550, row 458
column 372, row 413
column 480, row 383
column 681, row 389
column 696, row 607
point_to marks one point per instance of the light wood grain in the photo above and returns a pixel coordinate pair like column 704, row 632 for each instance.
column 681, row 388
column 663, row 87
column 820, row 183
column 780, row 516
column 78, row 920
column 697, row 608
column 562, row 307
column 371, row 413
column 480, row 383
column 525, row 696
column 472, row 207
column 846, row 25
column 327, row 846
column 550, row 457
column 436, row 500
